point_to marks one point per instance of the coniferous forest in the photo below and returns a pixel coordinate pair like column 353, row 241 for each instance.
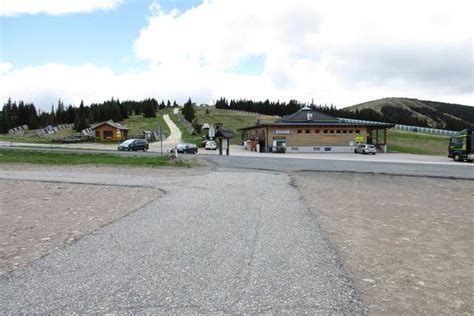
column 18, row 113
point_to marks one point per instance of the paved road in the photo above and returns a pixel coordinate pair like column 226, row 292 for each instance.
column 208, row 245
column 443, row 170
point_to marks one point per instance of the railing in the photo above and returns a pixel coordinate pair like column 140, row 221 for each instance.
column 186, row 123
column 408, row 128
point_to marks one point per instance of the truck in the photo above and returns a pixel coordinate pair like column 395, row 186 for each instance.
column 461, row 146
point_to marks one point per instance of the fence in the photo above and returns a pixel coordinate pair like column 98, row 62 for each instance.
column 408, row 128
column 186, row 123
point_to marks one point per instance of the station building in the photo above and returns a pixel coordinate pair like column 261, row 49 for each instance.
column 311, row 131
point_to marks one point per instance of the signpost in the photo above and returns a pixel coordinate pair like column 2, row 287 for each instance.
column 161, row 139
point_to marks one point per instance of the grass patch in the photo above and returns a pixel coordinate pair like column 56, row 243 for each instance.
column 137, row 123
column 417, row 143
column 62, row 158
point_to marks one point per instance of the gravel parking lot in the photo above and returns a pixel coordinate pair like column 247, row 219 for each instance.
column 244, row 241
column 407, row 242
column 38, row 217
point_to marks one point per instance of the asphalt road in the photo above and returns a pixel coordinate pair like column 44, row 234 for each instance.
column 455, row 170
column 346, row 162
column 215, row 243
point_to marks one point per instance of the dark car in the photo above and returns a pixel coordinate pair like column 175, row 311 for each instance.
column 134, row 145
column 185, row 148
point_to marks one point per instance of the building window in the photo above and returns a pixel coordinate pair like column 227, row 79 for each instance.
column 327, row 148
column 331, row 131
column 316, row 149
column 325, row 131
column 316, row 131
column 357, row 131
column 307, row 131
column 108, row 134
column 300, row 131
column 344, row 131
column 351, row 131
column 97, row 133
column 338, row 131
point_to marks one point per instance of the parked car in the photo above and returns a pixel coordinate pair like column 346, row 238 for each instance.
column 185, row 148
column 365, row 149
column 134, row 144
column 210, row 145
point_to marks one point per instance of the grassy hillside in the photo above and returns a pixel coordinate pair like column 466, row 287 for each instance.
column 136, row 123
column 415, row 143
column 231, row 120
column 436, row 114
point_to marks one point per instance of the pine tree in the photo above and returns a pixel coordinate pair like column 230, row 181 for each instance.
column 149, row 109
column 188, row 110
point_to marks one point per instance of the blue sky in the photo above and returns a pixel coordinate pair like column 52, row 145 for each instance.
column 205, row 49
column 103, row 38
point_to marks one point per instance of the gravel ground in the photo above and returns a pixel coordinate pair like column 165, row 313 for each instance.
column 407, row 242
column 39, row 217
column 208, row 245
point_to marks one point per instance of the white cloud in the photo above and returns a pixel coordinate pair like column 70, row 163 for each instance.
column 325, row 49
column 341, row 52
column 44, row 85
column 5, row 67
column 54, row 7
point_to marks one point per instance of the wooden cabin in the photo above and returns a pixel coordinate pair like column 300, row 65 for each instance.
column 110, row 131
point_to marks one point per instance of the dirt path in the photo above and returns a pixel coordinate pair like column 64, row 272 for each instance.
column 172, row 140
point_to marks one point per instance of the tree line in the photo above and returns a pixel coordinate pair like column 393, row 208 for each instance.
column 19, row 113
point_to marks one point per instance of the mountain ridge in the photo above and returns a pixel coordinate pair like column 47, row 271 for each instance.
column 433, row 113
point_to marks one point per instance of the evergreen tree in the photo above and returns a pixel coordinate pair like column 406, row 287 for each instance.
column 188, row 110
column 149, row 109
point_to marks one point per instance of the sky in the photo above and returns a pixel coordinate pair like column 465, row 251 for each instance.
column 326, row 52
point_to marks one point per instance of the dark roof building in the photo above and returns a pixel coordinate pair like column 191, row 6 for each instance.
column 311, row 131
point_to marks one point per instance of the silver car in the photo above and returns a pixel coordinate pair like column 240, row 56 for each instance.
column 365, row 149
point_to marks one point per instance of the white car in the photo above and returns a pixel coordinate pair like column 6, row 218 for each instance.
column 365, row 149
column 210, row 145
